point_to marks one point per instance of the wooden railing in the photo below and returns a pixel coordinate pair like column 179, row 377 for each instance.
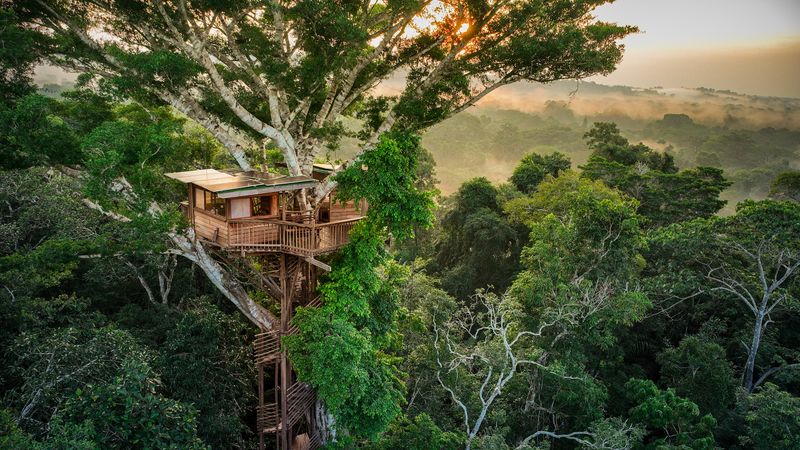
column 306, row 239
column 267, row 347
column 267, row 417
column 299, row 396
column 251, row 234
column 299, row 399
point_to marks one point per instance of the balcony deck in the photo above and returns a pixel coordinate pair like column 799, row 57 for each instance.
column 273, row 235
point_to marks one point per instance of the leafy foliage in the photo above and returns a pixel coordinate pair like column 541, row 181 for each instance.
column 419, row 433
column 786, row 186
column 698, row 370
column 579, row 227
column 386, row 177
column 665, row 194
column 128, row 411
column 17, row 57
column 205, row 349
column 33, row 133
column 533, row 169
column 344, row 347
column 90, row 362
column 772, row 419
column 672, row 421
column 83, row 349
column 479, row 246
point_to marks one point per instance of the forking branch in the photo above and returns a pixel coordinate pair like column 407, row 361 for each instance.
column 491, row 348
column 281, row 74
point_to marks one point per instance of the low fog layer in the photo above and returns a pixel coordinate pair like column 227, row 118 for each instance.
column 751, row 137
column 707, row 106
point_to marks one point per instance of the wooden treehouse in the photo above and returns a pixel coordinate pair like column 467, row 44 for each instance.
column 251, row 213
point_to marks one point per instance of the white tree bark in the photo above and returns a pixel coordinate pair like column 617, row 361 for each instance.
column 229, row 137
column 762, row 298
column 193, row 250
column 143, row 281
column 166, row 274
column 191, row 34
column 230, row 287
column 497, row 328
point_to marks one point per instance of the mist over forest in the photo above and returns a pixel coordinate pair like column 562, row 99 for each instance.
column 752, row 138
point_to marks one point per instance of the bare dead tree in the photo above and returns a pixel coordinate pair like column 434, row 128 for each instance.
column 761, row 292
column 622, row 437
column 491, row 347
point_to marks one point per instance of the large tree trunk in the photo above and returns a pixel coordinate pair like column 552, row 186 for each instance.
column 228, row 285
column 323, row 423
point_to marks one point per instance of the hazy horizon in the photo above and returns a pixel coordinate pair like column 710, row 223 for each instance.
column 751, row 47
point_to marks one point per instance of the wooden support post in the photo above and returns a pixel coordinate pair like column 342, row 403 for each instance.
column 260, row 404
column 190, row 212
column 318, row 263
column 285, row 429
column 277, row 400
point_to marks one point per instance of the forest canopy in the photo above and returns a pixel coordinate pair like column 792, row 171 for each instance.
column 599, row 302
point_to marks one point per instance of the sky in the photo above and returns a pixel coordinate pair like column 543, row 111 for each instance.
column 748, row 46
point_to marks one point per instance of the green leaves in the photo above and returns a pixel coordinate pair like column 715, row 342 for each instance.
column 17, row 57
column 697, row 369
column 786, row 186
column 533, row 169
column 55, row 361
column 359, row 386
column 772, row 419
column 386, row 177
column 206, row 362
column 579, row 227
column 419, row 433
column 672, row 422
column 128, row 411
column 665, row 194
column 479, row 246
column 33, row 133
column 159, row 68
column 343, row 348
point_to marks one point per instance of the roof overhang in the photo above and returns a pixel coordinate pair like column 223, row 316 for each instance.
column 242, row 184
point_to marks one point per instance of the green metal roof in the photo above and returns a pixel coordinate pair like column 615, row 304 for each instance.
column 242, row 184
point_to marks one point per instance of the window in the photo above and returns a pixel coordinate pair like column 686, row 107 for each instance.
column 215, row 204
column 240, row 207
column 209, row 201
column 199, row 198
column 262, row 206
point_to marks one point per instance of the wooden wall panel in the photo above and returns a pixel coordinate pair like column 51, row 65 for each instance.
column 344, row 211
column 208, row 226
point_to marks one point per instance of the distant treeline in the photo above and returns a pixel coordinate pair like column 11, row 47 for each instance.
column 491, row 142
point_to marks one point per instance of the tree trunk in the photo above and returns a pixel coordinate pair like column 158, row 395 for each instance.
column 165, row 277
column 758, row 330
column 229, row 286
column 323, row 423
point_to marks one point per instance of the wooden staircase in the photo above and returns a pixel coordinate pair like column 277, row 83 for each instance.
column 286, row 406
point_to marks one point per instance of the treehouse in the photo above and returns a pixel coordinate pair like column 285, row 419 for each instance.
column 251, row 212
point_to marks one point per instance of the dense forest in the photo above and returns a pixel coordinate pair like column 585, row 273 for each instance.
column 594, row 297
column 752, row 152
